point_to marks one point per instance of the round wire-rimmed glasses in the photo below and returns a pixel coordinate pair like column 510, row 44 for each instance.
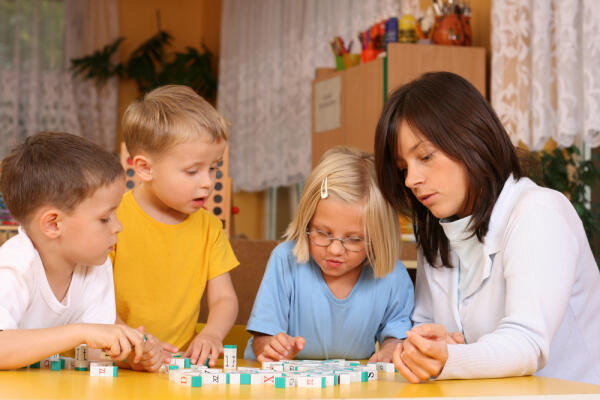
column 324, row 239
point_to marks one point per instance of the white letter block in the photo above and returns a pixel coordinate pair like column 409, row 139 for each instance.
column 285, row 381
column 344, row 378
column 385, row 367
column 355, row 376
column 257, row 378
column 269, row 377
column 214, row 379
column 371, row 366
column 175, row 374
column 230, row 357
column 233, row 378
column 193, row 379
column 81, row 352
column 103, row 369
column 328, row 380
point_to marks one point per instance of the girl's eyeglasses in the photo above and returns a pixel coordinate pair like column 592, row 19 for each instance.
column 324, row 239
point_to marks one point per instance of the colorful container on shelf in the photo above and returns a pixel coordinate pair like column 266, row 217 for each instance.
column 452, row 24
column 446, row 23
column 343, row 57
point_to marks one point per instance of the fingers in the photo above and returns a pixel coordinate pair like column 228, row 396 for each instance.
column 152, row 358
column 374, row 358
column 169, row 347
column 300, row 342
column 204, row 353
column 434, row 348
column 284, row 340
column 152, row 364
column 456, row 338
column 424, row 357
column 166, row 357
column 114, row 349
column 416, row 361
column 215, row 352
column 124, row 348
column 155, row 363
column 136, row 338
column 151, row 347
column 430, row 331
column 193, row 352
column 167, row 351
column 280, row 345
column 270, row 352
column 401, row 366
column 118, row 341
column 383, row 356
column 262, row 358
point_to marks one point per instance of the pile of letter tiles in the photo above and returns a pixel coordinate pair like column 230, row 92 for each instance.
column 79, row 363
column 282, row 374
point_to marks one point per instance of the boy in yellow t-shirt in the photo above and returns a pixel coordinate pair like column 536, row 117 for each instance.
column 171, row 249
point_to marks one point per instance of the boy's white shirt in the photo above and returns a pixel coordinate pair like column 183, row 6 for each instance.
column 533, row 307
column 27, row 301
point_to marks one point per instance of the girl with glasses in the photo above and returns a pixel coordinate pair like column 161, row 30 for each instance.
column 335, row 286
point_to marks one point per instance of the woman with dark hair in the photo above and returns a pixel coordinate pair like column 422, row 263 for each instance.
column 507, row 284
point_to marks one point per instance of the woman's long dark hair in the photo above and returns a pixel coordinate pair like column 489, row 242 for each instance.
column 450, row 113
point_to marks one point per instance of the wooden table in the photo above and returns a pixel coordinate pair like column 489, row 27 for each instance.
column 68, row 384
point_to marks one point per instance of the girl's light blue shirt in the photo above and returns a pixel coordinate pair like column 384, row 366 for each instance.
column 294, row 298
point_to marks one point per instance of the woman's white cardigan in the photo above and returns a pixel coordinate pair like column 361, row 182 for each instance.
column 534, row 307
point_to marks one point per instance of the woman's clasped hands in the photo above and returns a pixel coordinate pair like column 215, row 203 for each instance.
column 424, row 353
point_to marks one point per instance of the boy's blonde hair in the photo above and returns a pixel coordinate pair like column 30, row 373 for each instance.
column 167, row 116
column 351, row 178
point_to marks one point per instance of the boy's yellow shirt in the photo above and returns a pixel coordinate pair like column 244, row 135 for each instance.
column 161, row 270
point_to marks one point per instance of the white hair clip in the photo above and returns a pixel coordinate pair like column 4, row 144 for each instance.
column 324, row 193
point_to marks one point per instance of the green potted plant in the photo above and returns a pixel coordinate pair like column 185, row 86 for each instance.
column 563, row 169
column 150, row 65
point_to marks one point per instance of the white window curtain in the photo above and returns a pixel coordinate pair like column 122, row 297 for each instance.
column 546, row 70
column 37, row 90
column 270, row 50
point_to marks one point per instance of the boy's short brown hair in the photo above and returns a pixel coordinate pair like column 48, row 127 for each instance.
column 167, row 116
column 58, row 169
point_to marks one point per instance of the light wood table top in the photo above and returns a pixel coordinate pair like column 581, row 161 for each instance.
column 68, row 384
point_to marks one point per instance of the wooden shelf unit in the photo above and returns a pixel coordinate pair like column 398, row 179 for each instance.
column 364, row 87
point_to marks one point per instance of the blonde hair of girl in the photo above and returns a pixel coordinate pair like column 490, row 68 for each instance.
column 351, row 178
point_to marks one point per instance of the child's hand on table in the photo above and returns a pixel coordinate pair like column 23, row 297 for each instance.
column 203, row 346
column 386, row 351
column 282, row 347
column 118, row 341
column 156, row 353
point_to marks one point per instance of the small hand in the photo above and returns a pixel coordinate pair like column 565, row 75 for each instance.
column 155, row 354
column 118, row 341
column 386, row 351
column 282, row 347
column 203, row 346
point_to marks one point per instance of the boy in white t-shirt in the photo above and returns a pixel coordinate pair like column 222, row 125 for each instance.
column 56, row 281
